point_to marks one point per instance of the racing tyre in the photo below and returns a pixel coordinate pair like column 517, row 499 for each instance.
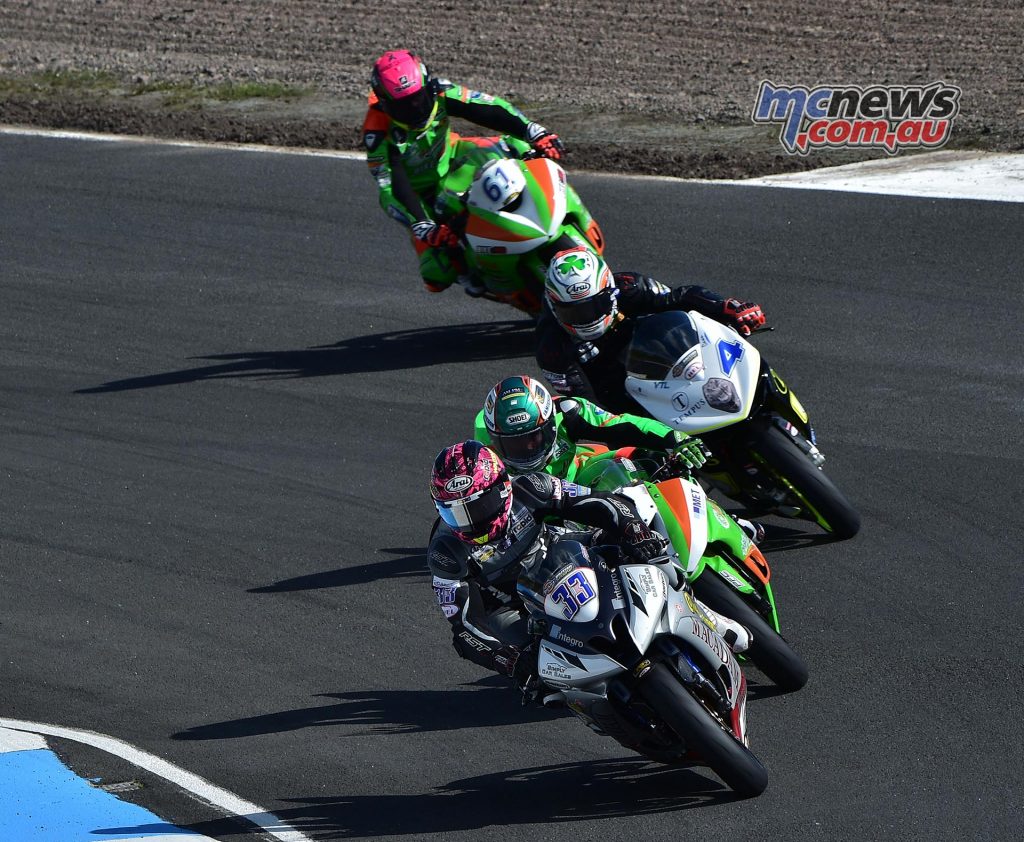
column 769, row 650
column 826, row 503
column 727, row 757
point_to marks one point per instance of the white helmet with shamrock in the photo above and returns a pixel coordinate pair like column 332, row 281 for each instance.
column 581, row 292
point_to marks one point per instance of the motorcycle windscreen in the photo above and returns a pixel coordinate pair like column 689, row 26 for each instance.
column 658, row 343
column 562, row 578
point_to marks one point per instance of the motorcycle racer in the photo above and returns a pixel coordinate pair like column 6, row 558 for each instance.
column 588, row 321
column 409, row 146
column 491, row 525
column 533, row 431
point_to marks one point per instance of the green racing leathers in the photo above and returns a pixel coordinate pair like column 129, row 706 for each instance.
column 577, row 420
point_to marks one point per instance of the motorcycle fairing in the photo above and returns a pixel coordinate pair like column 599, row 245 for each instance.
column 712, row 384
column 534, row 220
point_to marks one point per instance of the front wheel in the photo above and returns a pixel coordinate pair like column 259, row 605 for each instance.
column 809, row 484
column 768, row 650
column 700, row 730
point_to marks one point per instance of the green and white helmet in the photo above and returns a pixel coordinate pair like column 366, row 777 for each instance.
column 520, row 416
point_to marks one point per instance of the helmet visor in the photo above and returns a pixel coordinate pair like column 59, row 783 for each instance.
column 587, row 310
column 473, row 515
column 526, row 450
column 413, row 110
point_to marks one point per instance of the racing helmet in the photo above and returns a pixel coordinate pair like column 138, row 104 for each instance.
column 472, row 492
column 520, row 417
column 404, row 89
column 581, row 292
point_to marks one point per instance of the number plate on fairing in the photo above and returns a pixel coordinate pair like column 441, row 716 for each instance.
column 572, row 597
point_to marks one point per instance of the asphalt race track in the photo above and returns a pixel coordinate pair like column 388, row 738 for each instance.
column 221, row 389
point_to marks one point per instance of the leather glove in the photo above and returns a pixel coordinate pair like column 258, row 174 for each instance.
column 746, row 316
column 434, row 235
column 640, row 543
column 550, row 146
column 519, row 664
column 689, row 452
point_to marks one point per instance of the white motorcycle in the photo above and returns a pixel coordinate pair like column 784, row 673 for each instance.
column 632, row 654
column 703, row 378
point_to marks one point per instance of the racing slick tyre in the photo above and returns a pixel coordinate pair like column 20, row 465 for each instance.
column 768, row 650
column 816, row 492
column 703, row 732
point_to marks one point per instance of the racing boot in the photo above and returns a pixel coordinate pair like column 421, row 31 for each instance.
column 738, row 637
column 470, row 286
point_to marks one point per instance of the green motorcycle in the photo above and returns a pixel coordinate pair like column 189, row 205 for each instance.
column 727, row 571
column 513, row 211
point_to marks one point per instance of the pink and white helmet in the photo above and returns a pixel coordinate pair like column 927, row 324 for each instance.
column 403, row 87
column 472, row 491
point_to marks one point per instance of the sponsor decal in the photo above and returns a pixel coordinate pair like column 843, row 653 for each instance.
column 479, row 645
column 693, row 369
column 661, row 384
column 646, row 580
column 484, row 553
column 578, row 289
column 695, row 501
column 539, row 481
column 693, row 410
column 457, row 484
column 557, row 379
column 617, row 588
column 685, row 361
column 680, row 401
column 445, row 594
column 571, row 489
column 719, row 513
column 571, row 641
column 889, row 117
column 517, row 418
column 705, row 633
column 732, row 579
column 622, row 507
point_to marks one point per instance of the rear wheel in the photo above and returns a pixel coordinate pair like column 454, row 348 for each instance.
column 704, row 732
column 768, row 650
column 815, row 492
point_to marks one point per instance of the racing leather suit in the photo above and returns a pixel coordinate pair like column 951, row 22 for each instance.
column 408, row 164
column 475, row 584
column 577, row 419
column 595, row 369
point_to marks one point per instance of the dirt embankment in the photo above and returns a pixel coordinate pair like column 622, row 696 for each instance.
column 661, row 87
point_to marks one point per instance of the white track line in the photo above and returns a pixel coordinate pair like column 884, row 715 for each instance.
column 29, row 131
column 985, row 176
column 213, row 795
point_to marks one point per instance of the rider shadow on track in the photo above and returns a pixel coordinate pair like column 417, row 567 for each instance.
column 494, row 703
column 390, row 351
column 560, row 793
column 411, row 564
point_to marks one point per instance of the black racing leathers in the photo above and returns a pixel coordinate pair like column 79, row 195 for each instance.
column 475, row 585
column 595, row 369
